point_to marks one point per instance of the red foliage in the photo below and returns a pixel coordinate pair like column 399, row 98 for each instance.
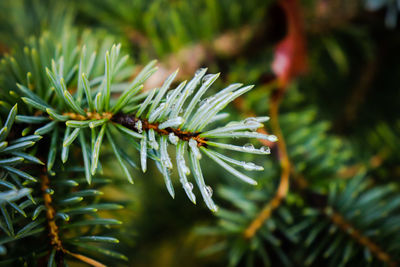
column 290, row 54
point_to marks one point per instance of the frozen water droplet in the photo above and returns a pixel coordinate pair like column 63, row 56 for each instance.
column 265, row 150
column 206, row 78
column 173, row 138
column 188, row 186
column 248, row 147
column 272, row 138
column 138, row 126
column 209, row 190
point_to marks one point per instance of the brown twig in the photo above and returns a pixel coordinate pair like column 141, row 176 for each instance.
column 85, row 259
column 285, row 166
column 50, row 213
column 89, row 115
column 53, row 229
column 130, row 121
column 358, row 237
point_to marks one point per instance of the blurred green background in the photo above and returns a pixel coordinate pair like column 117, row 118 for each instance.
column 346, row 106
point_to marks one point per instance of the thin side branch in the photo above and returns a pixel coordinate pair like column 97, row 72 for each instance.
column 358, row 237
column 85, row 259
column 55, row 241
column 50, row 213
column 89, row 116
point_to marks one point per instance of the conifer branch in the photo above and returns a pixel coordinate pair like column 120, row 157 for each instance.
column 346, row 227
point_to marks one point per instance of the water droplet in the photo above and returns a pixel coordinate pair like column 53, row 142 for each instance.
column 154, row 145
column 209, row 190
column 203, row 102
column 272, row 138
column 206, row 101
column 265, row 150
column 248, row 147
column 198, row 71
column 138, row 126
column 188, row 186
column 167, row 163
column 249, row 166
column 206, row 78
column 192, row 142
column 250, row 120
column 186, row 170
column 173, row 138
column 252, row 123
column 155, row 113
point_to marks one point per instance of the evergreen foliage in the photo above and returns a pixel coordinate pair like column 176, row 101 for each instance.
column 85, row 113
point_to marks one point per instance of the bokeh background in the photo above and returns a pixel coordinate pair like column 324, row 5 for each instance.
column 336, row 61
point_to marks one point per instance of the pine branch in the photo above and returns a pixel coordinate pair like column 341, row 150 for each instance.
column 82, row 104
column 300, row 221
column 176, row 117
column 358, row 237
column 343, row 210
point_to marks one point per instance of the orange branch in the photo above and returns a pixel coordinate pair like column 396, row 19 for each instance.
column 85, row 259
column 50, row 214
column 285, row 166
column 53, row 228
column 357, row 236
column 89, row 116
